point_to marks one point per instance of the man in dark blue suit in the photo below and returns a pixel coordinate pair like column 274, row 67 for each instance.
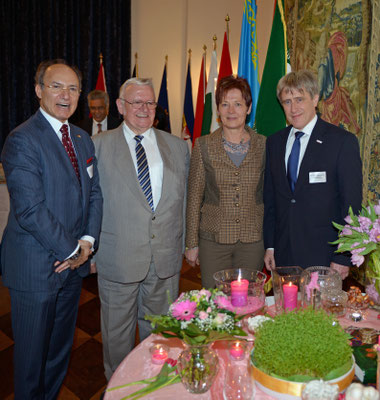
column 53, row 225
column 313, row 174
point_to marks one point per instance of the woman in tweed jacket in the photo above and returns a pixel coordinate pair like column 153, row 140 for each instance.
column 225, row 208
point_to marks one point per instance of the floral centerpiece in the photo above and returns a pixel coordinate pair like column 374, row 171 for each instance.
column 199, row 318
column 361, row 237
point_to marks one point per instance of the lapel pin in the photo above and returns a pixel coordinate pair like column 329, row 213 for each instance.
column 79, row 136
column 319, row 141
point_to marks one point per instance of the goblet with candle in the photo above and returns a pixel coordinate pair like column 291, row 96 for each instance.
column 159, row 354
column 244, row 288
column 237, row 350
column 286, row 281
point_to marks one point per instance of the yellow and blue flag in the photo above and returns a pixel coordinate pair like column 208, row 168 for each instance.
column 248, row 55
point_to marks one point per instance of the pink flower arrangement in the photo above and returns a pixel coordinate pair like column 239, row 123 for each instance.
column 361, row 237
column 198, row 317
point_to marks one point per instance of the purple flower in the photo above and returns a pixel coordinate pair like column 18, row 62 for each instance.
column 357, row 259
column 372, row 293
column 348, row 219
column 365, row 223
column 374, row 234
column 184, row 310
column 346, row 231
column 377, row 209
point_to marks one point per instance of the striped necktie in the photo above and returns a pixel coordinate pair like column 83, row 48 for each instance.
column 68, row 145
column 143, row 171
column 293, row 161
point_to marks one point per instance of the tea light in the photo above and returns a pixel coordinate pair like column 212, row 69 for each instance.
column 290, row 296
column 239, row 292
column 237, row 350
column 159, row 353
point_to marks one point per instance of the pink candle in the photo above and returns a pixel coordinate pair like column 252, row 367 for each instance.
column 290, row 296
column 239, row 292
column 237, row 351
column 159, row 354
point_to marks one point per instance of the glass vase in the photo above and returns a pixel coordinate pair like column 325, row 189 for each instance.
column 372, row 283
column 198, row 367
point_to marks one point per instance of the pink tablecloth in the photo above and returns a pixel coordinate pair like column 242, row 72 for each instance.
column 137, row 366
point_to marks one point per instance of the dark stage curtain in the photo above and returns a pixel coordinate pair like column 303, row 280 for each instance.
column 77, row 30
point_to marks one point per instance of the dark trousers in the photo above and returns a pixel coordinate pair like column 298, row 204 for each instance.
column 43, row 325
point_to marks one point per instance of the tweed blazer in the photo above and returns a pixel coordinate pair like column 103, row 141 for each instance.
column 225, row 202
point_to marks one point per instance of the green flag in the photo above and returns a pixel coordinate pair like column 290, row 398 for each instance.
column 270, row 116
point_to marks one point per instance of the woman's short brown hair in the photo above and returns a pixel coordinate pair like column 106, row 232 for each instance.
column 233, row 82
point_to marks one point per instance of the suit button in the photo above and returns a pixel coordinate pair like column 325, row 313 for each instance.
column 236, row 173
column 153, row 236
column 293, row 201
column 236, row 204
column 237, row 188
column 237, row 220
column 153, row 218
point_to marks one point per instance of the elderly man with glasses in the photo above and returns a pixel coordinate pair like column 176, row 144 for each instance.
column 53, row 225
column 143, row 173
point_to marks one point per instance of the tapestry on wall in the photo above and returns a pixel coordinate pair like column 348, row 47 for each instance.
column 337, row 40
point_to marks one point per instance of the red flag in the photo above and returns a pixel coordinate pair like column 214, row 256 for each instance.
column 200, row 102
column 225, row 68
column 101, row 82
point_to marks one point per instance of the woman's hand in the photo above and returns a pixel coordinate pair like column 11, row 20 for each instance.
column 191, row 256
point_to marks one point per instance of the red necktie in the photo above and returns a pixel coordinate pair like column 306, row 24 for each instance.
column 99, row 128
column 66, row 141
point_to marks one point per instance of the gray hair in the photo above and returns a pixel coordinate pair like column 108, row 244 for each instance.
column 99, row 94
column 298, row 80
column 136, row 81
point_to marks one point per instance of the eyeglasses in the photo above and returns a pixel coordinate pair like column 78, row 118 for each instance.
column 151, row 105
column 57, row 88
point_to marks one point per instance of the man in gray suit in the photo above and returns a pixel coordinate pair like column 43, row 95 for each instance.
column 143, row 173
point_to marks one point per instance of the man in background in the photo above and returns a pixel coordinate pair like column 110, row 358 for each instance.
column 53, row 224
column 98, row 104
column 313, row 175
column 143, row 173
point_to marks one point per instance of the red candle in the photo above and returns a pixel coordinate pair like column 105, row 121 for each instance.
column 239, row 292
column 159, row 354
column 290, row 296
column 237, row 351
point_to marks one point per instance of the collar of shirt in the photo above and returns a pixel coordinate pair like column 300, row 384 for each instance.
column 95, row 125
column 304, row 140
column 55, row 123
column 129, row 136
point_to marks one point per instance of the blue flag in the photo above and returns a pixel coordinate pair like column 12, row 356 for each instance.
column 248, row 57
column 188, row 109
column 163, row 97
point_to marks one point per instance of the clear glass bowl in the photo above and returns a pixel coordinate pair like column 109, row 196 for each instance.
column 334, row 301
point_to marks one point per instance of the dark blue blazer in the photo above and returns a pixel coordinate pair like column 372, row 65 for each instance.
column 299, row 225
column 49, row 209
column 86, row 124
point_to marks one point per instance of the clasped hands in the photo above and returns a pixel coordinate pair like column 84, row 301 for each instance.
column 85, row 252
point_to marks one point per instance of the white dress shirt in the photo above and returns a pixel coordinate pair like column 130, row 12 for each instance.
column 156, row 166
column 57, row 125
column 304, row 140
column 95, row 127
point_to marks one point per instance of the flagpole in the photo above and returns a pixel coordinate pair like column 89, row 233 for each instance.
column 101, row 58
column 227, row 19
column 214, row 38
column 136, row 65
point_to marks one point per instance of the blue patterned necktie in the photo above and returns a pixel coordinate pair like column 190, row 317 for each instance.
column 293, row 161
column 143, row 171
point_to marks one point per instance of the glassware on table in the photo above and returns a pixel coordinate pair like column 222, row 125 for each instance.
column 288, row 277
column 327, row 278
column 238, row 383
column 198, row 367
column 254, row 292
column 334, row 301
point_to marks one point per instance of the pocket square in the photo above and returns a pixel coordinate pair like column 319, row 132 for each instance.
column 89, row 160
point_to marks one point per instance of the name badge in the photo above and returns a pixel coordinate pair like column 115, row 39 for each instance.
column 317, row 177
column 90, row 171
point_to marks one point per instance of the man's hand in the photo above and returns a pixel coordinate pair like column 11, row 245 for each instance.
column 93, row 269
column 269, row 261
column 343, row 270
column 191, row 256
column 85, row 252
